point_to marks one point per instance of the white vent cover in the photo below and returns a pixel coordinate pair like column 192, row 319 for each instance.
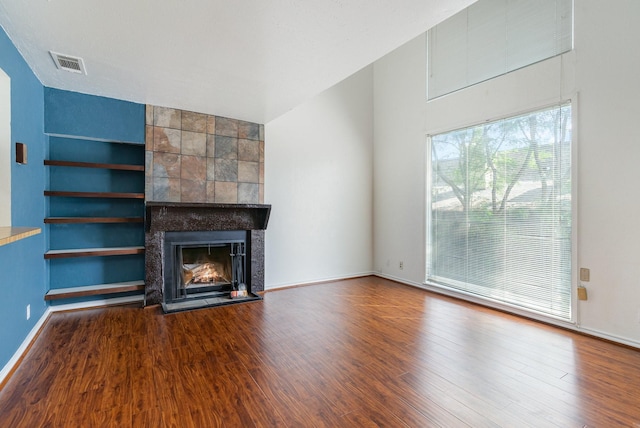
column 68, row 63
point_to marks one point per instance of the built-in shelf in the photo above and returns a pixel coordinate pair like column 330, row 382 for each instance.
column 96, row 191
column 92, row 252
column 94, row 194
column 72, row 220
column 94, row 290
column 13, row 234
column 121, row 167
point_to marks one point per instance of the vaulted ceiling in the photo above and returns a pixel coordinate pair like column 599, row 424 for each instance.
column 247, row 59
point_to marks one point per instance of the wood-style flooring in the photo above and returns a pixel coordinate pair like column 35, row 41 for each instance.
column 359, row 353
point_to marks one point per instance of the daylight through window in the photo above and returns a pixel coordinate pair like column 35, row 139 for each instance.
column 500, row 214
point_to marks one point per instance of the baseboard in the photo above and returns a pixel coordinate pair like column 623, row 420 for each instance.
column 525, row 314
column 399, row 280
column 608, row 337
column 97, row 303
column 23, row 348
column 316, row 282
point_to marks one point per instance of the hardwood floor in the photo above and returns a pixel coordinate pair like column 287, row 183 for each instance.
column 359, row 353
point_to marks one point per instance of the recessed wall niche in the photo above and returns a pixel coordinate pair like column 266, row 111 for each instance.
column 195, row 157
column 5, row 149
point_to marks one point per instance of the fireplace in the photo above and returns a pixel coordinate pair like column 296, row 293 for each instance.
column 200, row 255
column 205, row 268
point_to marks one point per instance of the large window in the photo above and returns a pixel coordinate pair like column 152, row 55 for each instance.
column 500, row 215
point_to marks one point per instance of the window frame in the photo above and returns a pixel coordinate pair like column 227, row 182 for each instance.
column 574, row 319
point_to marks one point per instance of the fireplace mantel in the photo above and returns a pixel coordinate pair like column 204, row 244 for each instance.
column 178, row 216
column 164, row 217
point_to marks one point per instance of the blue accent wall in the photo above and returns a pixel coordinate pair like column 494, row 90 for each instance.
column 92, row 117
column 22, row 267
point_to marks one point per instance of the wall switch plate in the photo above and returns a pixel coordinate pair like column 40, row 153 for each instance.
column 28, row 312
column 585, row 274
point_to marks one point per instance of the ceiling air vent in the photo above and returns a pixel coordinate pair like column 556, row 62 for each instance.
column 68, row 63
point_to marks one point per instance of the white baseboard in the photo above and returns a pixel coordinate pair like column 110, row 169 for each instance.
column 316, row 281
column 400, row 280
column 622, row 340
column 24, row 346
column 97, row 303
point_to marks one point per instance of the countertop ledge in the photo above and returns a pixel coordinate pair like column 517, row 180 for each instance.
column 13, row 234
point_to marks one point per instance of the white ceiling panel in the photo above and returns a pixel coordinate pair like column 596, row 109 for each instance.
column 247, row 59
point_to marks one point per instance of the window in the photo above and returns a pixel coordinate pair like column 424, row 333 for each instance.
column 500, row 215
column 494, row 37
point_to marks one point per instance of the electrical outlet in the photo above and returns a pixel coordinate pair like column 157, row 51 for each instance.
column 585, row 274
column 28, row 311
column 401, row 266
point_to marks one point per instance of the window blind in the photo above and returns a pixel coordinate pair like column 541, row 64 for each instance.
column 494, row 37
column 500, row 216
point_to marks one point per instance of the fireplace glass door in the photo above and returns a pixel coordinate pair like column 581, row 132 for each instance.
column 204, row 265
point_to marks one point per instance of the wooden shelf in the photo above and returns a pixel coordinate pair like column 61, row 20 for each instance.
column 94, row 290
column 94, row 194
column 121, row 167
column 69, row 220
column 92, row 252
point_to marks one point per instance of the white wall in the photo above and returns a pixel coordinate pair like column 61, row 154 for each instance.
column 607, row 73
column 318, row 178
column 5, row 149
column 604, row 70
column 399, row 115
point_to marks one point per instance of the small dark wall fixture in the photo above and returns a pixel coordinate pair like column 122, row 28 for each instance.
column 21, row 153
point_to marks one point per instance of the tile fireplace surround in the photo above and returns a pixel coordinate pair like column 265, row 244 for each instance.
column 164, row 217
column 195, row 157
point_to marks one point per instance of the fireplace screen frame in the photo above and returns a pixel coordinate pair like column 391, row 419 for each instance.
column 175, row 241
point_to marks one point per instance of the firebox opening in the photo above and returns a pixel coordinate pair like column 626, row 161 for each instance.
column 204, row 270
column 206, row 267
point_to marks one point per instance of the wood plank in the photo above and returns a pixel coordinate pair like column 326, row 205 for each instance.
column 362, row 352
column 122, row 167
column 72, row 220
column 91, row 252
column 94, row 194
column 94, row 290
